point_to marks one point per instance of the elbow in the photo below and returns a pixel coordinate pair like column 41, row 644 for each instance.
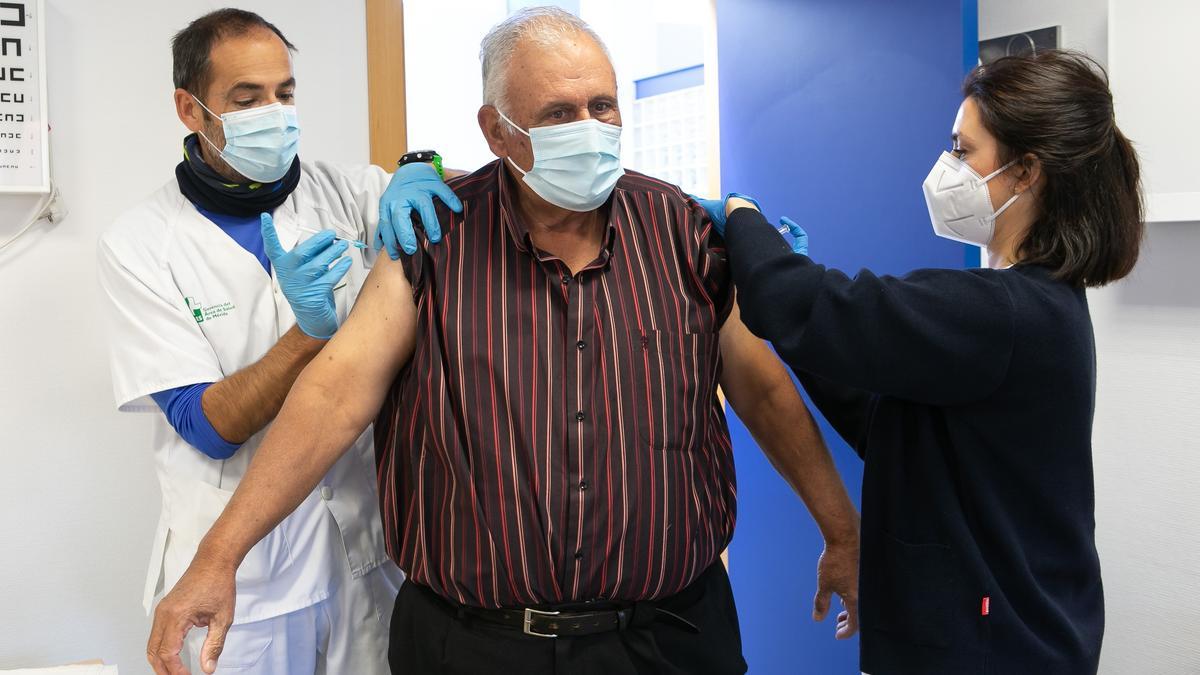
column 185, row 412
column 767, row 403
column 217, row 451
column 201, row 435
column 205, row 437
column 341, row 412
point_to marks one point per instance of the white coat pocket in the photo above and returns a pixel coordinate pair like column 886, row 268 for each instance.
column 191, row 507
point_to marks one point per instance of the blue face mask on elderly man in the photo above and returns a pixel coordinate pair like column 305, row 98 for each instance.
column 575, row 165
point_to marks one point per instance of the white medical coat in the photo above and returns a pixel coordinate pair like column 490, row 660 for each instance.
column 188, row 304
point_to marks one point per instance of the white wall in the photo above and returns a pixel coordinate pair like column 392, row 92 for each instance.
column 1147, row 433
column 79, row 498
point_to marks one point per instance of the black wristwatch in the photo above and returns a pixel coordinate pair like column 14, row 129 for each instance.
column 423, row 156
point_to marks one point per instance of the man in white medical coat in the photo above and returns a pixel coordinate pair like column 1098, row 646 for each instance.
column 215, row 311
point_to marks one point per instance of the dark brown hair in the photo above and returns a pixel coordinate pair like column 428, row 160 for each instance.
column 1057, row 106
column 191, row 46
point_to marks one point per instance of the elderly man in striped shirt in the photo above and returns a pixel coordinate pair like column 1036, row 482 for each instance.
column 555, row 470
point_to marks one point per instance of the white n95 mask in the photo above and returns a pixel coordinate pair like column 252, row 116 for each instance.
column 575, row 165
column 959, row 205
column 260, row 143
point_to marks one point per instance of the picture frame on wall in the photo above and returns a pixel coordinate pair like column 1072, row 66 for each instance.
column 1028, row 42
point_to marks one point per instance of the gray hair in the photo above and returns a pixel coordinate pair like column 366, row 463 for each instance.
column 545, row 25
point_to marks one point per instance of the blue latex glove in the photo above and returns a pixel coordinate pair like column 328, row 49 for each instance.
column 799, row 236
column 413, row 186
column 715, row 208
column 306, row 278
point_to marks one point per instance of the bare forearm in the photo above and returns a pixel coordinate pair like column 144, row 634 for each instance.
column 240, row 405
column 306, row 440
column 785, row 430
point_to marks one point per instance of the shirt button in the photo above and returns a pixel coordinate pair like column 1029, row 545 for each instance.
column 581, row 345
column 583, row 485
column 566, row 280
column 326, row 492
column 579, row 555
column 580, row 416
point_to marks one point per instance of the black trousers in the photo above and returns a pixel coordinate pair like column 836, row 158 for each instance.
column 430, row 635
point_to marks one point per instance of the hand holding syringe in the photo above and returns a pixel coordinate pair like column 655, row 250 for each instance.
column 799, row 238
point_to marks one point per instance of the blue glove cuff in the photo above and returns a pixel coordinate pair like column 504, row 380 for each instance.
column 748, row 198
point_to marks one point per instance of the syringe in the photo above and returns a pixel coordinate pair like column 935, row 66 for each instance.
column 353, row 242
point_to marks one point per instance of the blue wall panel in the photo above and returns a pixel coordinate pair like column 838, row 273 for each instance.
column 832, row 112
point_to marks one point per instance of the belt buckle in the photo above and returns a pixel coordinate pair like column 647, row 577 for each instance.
column 529, row 612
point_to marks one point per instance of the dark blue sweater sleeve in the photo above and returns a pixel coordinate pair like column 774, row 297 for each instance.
column 847, row 409
column 939, row 337
column 184, row 411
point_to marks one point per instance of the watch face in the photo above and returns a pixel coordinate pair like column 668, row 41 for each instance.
column 418, row 156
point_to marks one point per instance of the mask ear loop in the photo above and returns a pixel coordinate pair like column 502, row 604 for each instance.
column 1007, row 204
column 523, row 172
column 1012, row 199
column 219, row 151
column 999, row 171
column 206, row 109
column 513, row 125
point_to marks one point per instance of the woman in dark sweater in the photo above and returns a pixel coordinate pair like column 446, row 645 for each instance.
column 970, row 393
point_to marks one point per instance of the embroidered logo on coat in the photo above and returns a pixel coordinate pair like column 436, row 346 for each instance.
column 202, row 313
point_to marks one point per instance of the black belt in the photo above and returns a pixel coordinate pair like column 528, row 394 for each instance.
column 554, row 623
column 572, row 620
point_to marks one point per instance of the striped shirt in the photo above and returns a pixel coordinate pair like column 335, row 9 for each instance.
column 558, row 437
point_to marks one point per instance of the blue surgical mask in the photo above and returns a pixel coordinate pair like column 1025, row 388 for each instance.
column 575, row 165
column 260, row 143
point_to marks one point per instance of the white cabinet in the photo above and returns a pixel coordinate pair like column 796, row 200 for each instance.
column 1155, row 69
